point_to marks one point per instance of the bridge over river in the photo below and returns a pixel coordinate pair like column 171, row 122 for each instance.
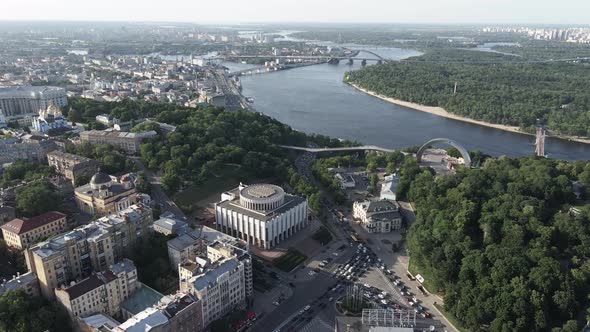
column 427, row 145
column 350, row 148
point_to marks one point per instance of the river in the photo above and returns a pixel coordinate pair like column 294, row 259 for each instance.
column 314, row 99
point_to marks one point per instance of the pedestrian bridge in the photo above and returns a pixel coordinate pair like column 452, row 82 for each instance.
column 349, row 148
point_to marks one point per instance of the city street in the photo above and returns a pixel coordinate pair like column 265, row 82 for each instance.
column 398, row 263
column 158, row 195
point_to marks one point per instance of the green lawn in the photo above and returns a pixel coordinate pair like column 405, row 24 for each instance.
column 290, row 260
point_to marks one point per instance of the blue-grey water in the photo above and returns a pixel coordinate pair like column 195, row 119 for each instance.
column 314, row 99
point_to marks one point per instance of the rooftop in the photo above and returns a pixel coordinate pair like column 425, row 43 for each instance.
column 124, row 265
column 95, row 281
column 20, row 226
column 101, row 322
column 203, row 233
column 289, row 203
column 27, row 91
column 115, row 188
column 380, row 206
column 143, row 297
column 178, row 304
column 144, row 321
column 211, row 275
column 261, row 191
column 170, row 224
column 118, row 134
column 16, row 282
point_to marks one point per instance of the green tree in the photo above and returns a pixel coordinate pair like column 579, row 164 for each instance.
column 37, row 198
column 22, row 313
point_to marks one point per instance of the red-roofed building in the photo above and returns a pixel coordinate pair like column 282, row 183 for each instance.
column 21, row 233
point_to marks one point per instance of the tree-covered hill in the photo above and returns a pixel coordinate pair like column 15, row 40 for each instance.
column 490, row 87
column 501, row 244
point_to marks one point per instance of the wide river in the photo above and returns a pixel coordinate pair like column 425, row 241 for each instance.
column 314, row 99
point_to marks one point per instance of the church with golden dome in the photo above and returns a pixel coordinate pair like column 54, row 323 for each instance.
column 50, row 118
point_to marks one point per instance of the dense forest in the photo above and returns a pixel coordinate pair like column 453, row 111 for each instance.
column 502, row 244
column 490, row 87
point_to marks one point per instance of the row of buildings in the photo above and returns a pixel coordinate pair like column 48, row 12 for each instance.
column 579, row 35
column 27, row 147
column 92, row 247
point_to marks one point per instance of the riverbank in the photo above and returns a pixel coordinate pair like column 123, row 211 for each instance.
column 439, row 111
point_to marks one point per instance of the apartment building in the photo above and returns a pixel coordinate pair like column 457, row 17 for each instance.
column 221, row 278
column 92, row 247
column 71, row 166
column 26, row 282
column 188, row 246
column 170, row 226
column 102, row 292
column 13, row 148
column 129, row 142
column 20, row 233
column 220, row 288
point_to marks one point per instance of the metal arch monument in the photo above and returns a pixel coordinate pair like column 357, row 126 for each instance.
column 447, row 141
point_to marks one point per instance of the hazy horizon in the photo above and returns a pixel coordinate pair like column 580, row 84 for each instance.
column 461, row 12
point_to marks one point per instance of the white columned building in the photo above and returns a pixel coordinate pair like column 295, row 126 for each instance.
column 261, row 214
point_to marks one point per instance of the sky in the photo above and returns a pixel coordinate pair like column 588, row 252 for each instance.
column 358, row 11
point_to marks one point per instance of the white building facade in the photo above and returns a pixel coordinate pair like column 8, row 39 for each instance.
column 377, row 216
column 23, row 100
column 262, row 214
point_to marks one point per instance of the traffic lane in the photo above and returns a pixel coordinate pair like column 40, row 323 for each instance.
column 426, row 300
column 303, row 294
column 325, row 311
